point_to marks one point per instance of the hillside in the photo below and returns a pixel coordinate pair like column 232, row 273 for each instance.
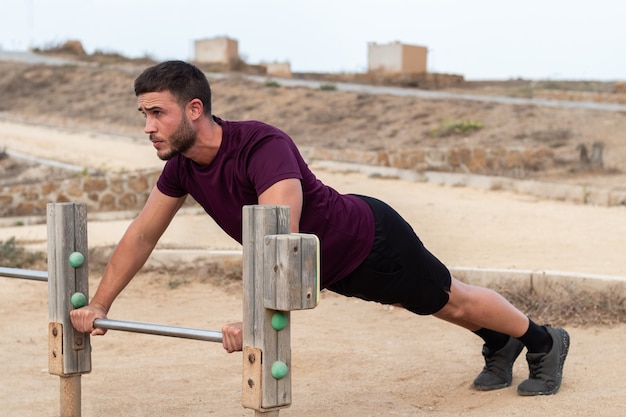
column 100, row 98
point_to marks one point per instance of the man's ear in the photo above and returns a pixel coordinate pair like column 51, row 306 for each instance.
column 195, row 108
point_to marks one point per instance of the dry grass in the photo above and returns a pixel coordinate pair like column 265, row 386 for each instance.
column 577, row 309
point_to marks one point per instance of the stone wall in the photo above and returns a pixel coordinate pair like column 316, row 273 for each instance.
column 617, row 97
column 129, row 191
column 472, row 160
column 426, row 80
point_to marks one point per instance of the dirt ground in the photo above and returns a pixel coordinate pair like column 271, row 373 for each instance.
column 350, row 358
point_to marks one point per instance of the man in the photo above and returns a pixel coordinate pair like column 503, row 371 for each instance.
column 367, row 249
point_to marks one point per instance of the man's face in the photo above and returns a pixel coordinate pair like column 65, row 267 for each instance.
column 167, row 125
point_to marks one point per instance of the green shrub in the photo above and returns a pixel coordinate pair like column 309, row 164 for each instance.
column 456, row 127
column 272, row 84
column 14, row 256
column 327, row 87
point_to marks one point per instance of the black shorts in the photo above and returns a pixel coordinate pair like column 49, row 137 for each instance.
column 399, row 270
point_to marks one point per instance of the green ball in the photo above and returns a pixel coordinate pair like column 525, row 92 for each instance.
column 279, row 321
column 279, row 370
column 78, row 300
column 76, row 259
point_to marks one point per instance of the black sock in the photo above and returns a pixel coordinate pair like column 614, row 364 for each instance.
column 536, row 339
column 493, row 340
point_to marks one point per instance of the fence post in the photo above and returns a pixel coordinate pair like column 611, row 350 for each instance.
column 69, row 352
column 280, row 274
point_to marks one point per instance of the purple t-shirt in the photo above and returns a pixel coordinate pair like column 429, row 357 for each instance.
column 252, row 157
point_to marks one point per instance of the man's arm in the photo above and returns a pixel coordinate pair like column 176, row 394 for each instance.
column 128, row 257
column 284, row 193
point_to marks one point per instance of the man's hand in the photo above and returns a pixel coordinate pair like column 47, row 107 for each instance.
column 232, row 337
column 82, row 319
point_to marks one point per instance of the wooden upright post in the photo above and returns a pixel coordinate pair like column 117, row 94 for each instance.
column 280, row 274
column 258, row 221
column 69, row 352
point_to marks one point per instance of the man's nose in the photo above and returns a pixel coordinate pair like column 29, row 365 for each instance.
column 150, row 126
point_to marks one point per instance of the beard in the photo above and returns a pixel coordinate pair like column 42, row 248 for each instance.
column 183, row 138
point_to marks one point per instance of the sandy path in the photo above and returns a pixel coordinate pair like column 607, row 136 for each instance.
column 351, row 358
column 463, row 226
column 94, row 151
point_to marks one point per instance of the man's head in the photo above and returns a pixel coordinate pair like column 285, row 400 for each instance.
column 172, row 95
column 184, row 81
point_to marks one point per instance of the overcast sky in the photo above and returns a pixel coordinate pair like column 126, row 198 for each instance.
column 480, row 39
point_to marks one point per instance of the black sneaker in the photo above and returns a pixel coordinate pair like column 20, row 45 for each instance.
column 498, row 370
column 546, row 369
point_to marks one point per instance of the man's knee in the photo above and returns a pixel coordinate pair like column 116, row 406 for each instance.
column 456, row 307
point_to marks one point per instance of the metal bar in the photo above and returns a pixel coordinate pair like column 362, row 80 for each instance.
column 159, row 330
column 23, row 274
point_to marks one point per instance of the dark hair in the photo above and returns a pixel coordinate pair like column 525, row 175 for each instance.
column 183, row 80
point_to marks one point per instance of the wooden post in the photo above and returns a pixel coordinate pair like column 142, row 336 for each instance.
column 280, row 274
column 69, row 352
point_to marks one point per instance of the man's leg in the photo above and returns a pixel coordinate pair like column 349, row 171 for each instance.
column 480, row 307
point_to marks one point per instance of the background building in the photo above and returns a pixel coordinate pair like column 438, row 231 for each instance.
column 397, row 58
column 220, row 50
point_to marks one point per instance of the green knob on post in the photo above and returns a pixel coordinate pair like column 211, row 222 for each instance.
column 279, row 320
column 279, row 370
column 78, row 300
column 76, row 259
